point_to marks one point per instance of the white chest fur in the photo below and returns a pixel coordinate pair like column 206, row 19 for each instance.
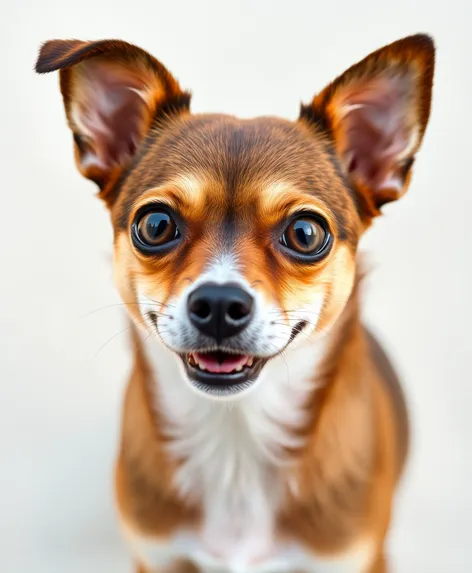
column 232, row 454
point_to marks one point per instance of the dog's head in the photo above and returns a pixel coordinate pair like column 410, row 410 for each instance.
column 233, row 236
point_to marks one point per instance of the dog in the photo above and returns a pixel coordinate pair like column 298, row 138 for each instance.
column 264, row 428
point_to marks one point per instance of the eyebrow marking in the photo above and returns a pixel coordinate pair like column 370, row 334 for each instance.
column 185, row 189
column 274, row 190
column 288, row 198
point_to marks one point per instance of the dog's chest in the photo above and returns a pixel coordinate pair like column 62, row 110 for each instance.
column 241, row 486
column 232, row 471
column 231, row 458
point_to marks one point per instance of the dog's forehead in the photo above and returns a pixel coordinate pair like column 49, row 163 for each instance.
column 237, row 156
column 230, row 147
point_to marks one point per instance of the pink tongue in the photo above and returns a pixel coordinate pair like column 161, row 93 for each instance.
column 230, row 363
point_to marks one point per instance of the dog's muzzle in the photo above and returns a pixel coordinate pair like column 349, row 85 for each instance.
column 221, row 312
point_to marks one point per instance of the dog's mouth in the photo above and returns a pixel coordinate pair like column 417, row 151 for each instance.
column 220, row 372
column 220, row 362
column 226, row 372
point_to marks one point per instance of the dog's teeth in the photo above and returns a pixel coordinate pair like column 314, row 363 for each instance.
column 250, row 361
column 191, row 360
column 238, row 369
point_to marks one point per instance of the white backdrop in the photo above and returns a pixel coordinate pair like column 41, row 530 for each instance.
column 61, row 389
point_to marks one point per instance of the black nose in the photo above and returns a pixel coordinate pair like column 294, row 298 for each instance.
column 220, row 311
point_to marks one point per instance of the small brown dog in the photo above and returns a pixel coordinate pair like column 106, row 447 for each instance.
column 264, row 429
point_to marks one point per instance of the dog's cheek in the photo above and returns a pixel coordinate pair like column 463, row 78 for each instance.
column 321, row 298
column 305, row 302
column 338, row 278
column 151, row 296
column 145, row 286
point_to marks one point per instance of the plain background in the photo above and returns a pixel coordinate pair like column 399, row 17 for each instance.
column 61, row 385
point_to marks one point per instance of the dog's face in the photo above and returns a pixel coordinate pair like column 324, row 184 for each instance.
column 236, row 238
column 240, row 237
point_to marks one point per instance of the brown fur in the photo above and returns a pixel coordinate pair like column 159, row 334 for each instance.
column 234, row 182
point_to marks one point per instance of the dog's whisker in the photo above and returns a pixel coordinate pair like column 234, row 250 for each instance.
column 300, row 310
column 301, row 332
column 124, row 304
column 166, row 304
column 294, row 322
column 133, row 324
column 121, row 304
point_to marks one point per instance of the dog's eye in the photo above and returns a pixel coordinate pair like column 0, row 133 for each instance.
column 155, row 229
column 306, row 236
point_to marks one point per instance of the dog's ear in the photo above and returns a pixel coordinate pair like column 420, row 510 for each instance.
column 112, row 93
column 376, row 115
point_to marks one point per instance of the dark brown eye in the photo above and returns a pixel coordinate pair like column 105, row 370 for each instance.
column 155, row 229
column 306, row 236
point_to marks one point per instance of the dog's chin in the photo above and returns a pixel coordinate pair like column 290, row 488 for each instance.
column 222, row 375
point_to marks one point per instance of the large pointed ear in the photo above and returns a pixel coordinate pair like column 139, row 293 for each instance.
column 376, row 115
column 112, row 91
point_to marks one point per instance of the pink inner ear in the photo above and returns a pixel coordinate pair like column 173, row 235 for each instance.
column 109, row 111
column 375, row 121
